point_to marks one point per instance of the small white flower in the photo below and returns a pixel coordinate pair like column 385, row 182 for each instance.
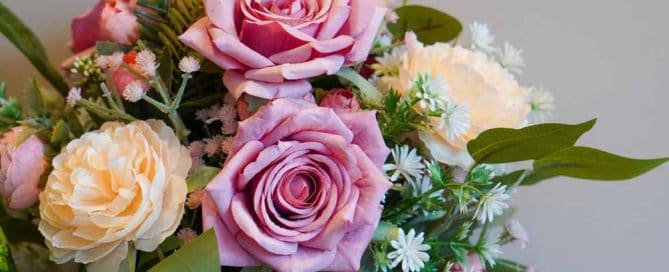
column 409, row 250
column 390, row 63
column 189, row 65
column 481, row 37
column 511, row 58
column 542, row 103
column 431, row 92
column 424, row 185
column 134, row 91
column 147, row 61
column 517, row 232
column 492, row 204
column 407, row 163
column 186, row 235
column 383, row 40
column 490, row 250
column 455, row 121
column 103, row 62
column 116, row 59
column 73, row 96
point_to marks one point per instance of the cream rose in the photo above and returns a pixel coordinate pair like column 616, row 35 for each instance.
column 491, row 94
column 120, row 184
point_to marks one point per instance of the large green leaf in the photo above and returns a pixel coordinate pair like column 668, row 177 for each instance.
column 199, row 255
column 367, row 90
column 26, row 42
column 430, row 25
column 201, row 177
column 6, row 261
column 501, row 145
column 589, row 163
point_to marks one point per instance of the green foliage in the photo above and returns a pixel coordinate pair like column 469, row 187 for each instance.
column 26, row 42
column 503, row 265
column 6, row 261
column 10, row 110
column 367, row 91
column 201, row 254
column 430, row 25
column 201, row 177
column 501, row 145
column 43, row 101
column 589, row 163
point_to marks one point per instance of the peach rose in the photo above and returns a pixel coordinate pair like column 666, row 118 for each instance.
column 269, row 48
column 21, row 167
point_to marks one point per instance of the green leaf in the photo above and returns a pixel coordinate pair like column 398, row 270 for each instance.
column 510, row 179
column 385, row 232
column 430, row 25
column 501, row 145
column 61, row 133
column 367, row 90
column 201, row 177
column 26, row 42
column 6, row 261
column 146, row 258
column 34, row 97
column 19, row 230
column 502, row 265
column 109, row 48
column 199, row 255
column 43, row 100
column 589, row 163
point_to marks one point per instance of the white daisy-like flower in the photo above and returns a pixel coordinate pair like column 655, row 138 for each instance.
column 407, row 163
column 492, row 204
column 73, row 96
column 134, row 91
column 511, row 58
column 490, row 250
column 424, row 185
column 431, row 92
column 409, row 250
column 454, row 121
column 189, row 65
column 390, row 63
column 147, row 61
column 518, row 232
column 186, row 235
column 542, row 103
column 116, row 59
column 482, row 39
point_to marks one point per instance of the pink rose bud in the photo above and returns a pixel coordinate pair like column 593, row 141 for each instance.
column 107, row 21
column 21, row 168
column 341, row 100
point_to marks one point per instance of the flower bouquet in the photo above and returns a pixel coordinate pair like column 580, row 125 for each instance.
column 287, row 135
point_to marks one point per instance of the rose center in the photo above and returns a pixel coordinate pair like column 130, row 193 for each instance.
column 302, row 188
column 285, row 8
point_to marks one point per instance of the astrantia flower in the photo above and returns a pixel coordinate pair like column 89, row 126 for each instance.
column 454, row 121
column 134, row 91
column 511, row 58
column 492, row 204
column 542, row 103
column 147, row 61
column 73, row 96
column 481, row 37
column 213, row 145
column 189, row 65
column 186, row 235
column 407, row 163
column 196, row 150
column 409, row 250
column 517, row 232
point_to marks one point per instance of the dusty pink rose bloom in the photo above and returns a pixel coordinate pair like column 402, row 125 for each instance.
column 302, row 191
column 473, row 264
column 108, row 20
column 20, row 169
column 341, row 100
column 270, row 47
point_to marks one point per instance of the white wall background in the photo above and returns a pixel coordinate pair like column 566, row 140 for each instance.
column 601, row 58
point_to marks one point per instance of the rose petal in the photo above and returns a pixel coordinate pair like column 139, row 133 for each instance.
column 365, row 40
column 230, row 45
column 295, row 71
column 353, row 246
column 336, row 19
column 304, row 259
column 373, row 186
column 337, row 226
column 367, row 135
column 197, row 37
column 318, row 48
column 271, row 37
column 223, row 14
column 238, row 85
column 86, row 28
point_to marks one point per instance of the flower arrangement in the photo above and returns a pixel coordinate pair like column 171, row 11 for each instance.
column 287, row 135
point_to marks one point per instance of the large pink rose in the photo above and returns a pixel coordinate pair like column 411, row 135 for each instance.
column 302, row 191
column 269, row 47
column 21, row 166
column 108, row 20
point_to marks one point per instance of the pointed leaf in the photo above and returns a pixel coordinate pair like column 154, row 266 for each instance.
column 34, row 97
column 367, row 90
column 501, row 145
column 6, row 261
column 199, row 255
column 589, row 163
column 61, row 133
column 430, row 25
column 201, row 177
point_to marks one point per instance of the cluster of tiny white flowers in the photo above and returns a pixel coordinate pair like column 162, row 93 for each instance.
column 186, row 235
column 147, row 61
column 390, row 63
column 490, row 250
column 134, row 91
column 406, row 163
column 508, row 56
column 511, row 58
column 111, row 61
column 73, row 96
column 189, row 65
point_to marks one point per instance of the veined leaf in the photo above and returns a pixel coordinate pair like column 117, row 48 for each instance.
column 199, row 255
column 589, row 163
column 201, row 177
column 26, row 42
column 430, row 25
column 501, row 145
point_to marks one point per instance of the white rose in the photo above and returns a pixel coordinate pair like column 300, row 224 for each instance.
column 121, row 184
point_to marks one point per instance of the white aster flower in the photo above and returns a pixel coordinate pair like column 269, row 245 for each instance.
column 490, row 250
column 517, row 232
column 73, row 96
column 409, row 250
column 134, row 91
column 407, row 163
column 481, row 37
column 116, row 59
column 147, row 61
column 390, row 63
column 492, row 204
column 454, row 121
column 511, row 58
column 189, row 65
column 424, row 185
column 542, row 103
column 431, row 92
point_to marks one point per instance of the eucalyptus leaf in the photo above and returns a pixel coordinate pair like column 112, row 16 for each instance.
column 201, row 177
column 201, row 254
column 367, row 90
column 26, row 42
column 6, row 261
column 589, row 163
column 430, row 25
column 502, row 145
column 510, row 179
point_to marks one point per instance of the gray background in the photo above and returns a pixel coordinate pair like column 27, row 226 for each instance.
column 601, row 58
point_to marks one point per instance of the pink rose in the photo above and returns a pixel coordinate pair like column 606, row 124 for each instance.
column 21, row 168
column 302, row 191
column 270, row 47
column 341, row 100
column 108, row 20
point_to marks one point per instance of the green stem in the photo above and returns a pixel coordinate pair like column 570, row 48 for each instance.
column 182, row 90
column 115, row 92
column 179, row 126
column 105, row 113
column 162, row 107
column 160, row 253
column 108, row 96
